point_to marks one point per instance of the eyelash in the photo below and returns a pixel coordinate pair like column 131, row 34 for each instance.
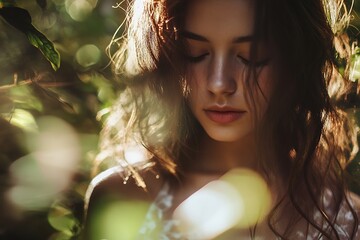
column 257, row 64
column 245, row 61
column 197, row 59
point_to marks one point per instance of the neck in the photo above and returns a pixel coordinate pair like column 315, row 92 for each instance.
column 216, row 157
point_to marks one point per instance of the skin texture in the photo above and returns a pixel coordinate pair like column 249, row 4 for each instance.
column 219, row 36
column 218, row 72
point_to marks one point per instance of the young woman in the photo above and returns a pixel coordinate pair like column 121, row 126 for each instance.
column 227, row 100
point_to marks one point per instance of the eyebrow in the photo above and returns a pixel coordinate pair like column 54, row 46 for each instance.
column 197, row 37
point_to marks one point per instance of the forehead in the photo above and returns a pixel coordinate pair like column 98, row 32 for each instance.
column 222, row 17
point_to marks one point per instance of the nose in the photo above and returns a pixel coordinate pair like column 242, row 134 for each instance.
column 220, row 77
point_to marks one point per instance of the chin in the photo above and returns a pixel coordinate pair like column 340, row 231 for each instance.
column 227, row 136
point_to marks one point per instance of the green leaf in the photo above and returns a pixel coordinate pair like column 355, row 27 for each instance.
column 46, row 47
column 21, row 20
column 17, row 17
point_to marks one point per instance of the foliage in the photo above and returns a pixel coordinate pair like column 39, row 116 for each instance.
column 42, row 178
column 21, row 20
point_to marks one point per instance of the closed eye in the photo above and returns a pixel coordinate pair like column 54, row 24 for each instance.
column 244, row 60
column 257, row 64
column 196, row 59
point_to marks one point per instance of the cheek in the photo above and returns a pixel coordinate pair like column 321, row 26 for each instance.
column 196, row 84
column 191, row 91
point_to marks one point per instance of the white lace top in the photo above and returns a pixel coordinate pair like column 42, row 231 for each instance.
column 158, row 227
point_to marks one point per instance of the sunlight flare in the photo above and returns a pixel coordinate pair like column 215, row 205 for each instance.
column 238, row 200
column 41, row 175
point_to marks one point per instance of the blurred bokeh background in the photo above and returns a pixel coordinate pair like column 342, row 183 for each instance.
column 49, row 125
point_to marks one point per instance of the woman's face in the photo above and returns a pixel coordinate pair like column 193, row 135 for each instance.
column 219, row 34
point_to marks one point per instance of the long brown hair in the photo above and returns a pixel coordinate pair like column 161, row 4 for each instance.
column 314, row 139
column 305, row 139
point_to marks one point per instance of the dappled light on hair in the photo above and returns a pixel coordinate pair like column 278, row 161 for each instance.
column 135, row 154
column 40, row 176
column 336, row 86
column 355, row 71
column 139, row 57
column 130, row 137
column 338, row 15
column 240, row 199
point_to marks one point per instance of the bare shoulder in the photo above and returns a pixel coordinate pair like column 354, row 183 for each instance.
column 110, row 200
column 115, row 183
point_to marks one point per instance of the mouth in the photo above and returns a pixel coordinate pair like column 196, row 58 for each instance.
column 224, row 115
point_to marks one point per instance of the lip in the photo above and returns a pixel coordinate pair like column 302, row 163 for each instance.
column 223, row 115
